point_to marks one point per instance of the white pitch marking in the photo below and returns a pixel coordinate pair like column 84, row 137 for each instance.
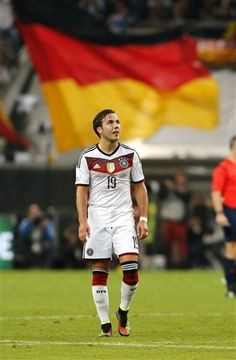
column 49, row 317
column 186, row 314
column 157, row 314
column 115, row 344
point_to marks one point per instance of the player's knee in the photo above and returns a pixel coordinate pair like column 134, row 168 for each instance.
column 130, row 272
column 99, row 277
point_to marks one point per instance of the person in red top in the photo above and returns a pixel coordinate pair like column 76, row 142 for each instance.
column 224, row 201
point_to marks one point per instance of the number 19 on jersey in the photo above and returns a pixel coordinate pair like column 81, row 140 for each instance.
column 111, row 182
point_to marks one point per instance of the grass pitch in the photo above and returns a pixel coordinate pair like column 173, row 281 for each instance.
column 175, row 315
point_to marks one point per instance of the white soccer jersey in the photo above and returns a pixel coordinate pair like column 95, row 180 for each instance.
column 109, row 178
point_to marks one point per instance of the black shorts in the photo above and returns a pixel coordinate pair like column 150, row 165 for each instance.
column 230, row 231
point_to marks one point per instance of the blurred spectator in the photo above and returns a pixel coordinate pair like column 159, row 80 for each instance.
column 7, row 28
column 139, row 9
column 159, row 10
column 197, row 207
column 10, row 43
column 224, row 9
column 72, row 248
column 179, row 8
column 196, row 221
column 5, row 56
column 213, row 236
column 96, row 8
column 38, row 233
column 6, row 15
column 174, row 196
column 118, row 20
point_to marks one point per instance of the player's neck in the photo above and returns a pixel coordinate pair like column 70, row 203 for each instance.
column 232, row 158
column 107, row 146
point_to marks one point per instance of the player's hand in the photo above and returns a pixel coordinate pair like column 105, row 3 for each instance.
column 222, row 220
column 142, row 229
column 84, row 231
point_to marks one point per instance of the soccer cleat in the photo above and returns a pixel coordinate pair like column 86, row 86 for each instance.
column 123, row 324
column 106, row 330
column 105, row 334
column 230, row 294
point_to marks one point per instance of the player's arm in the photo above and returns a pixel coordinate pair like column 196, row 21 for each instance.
column 218, row 182
column 221, row 219
column 142, row 202
column 82, row 194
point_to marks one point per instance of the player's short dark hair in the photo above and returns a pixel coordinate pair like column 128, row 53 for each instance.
column 232, row 142
column 97, row 121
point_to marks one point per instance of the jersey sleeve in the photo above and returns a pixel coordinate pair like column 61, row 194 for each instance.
column 137, row 171
column 82, row 173
column 218, row 179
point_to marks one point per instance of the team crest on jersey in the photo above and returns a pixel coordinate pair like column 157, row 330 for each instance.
column 124, row 163
column 110, row 167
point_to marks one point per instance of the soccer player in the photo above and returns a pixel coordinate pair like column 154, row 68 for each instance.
column 224, row 200
column 104, row 176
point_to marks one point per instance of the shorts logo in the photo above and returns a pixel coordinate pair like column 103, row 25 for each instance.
column 110, row 167
column 124, row 163
column 90, row 252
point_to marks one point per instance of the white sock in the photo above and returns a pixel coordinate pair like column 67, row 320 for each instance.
column 101, row 300
column 127, row 294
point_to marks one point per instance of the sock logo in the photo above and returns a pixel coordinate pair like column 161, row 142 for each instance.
column 101, row 291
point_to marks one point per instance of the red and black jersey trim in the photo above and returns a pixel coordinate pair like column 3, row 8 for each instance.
column 106, row 166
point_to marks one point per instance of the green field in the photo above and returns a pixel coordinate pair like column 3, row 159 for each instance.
column 175, row 315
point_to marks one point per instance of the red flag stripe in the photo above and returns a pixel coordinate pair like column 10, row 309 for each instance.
column 164, row 66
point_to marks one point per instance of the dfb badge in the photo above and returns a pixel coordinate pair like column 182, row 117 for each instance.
column 124, row 163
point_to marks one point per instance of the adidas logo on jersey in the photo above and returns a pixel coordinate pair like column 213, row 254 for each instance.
column 96, row 166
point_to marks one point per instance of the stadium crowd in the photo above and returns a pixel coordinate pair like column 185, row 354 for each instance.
column 190, row 236
column 182, row 230
column 10, row 44
column 121, row 15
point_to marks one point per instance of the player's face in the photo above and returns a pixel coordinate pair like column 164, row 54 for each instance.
column 233, row 150
column 110, row 129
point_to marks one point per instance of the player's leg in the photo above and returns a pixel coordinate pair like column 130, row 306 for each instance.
column 100, row 269
column 98, row 249
column 129, row 266
column 230, row 267
column 126, row 247
column 230, row 252
column 234, row 268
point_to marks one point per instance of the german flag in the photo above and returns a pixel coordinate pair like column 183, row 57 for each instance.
column 8, row 131
column 150, row 81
